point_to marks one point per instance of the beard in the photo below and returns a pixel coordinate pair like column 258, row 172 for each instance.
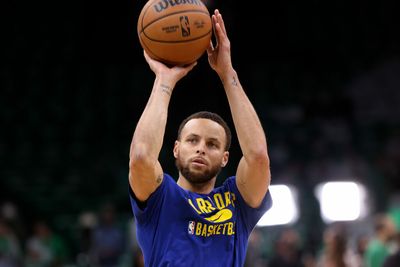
column 197, row 177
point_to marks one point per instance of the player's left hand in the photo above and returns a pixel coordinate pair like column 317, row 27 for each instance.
column 219, row 55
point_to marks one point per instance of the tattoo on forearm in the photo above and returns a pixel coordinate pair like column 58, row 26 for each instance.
column 166, row 89
column 235, row 82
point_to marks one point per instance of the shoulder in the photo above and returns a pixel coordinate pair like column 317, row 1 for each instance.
column 231, row 185
column 229, row 182
column 168, row 179
column 168, row 184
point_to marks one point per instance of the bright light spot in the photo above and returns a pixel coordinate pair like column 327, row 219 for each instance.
column 341, row 201
column 284, row 208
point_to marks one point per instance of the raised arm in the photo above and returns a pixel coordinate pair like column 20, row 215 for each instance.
column 253, row 172
column 145, row 172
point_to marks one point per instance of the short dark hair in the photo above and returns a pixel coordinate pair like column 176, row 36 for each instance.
column 210, row 116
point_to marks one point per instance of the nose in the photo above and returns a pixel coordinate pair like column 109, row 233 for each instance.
column 200, row 148
column 201, row 152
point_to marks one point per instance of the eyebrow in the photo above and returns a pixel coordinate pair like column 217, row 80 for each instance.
column 213, row 139
column 193, row 135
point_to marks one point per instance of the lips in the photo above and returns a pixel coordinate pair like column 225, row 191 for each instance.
column 199, row 161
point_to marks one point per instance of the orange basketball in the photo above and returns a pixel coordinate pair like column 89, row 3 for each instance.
column 176, row 32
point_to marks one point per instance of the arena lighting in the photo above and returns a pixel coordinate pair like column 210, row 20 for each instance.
column 284, row 209
column 341, row 201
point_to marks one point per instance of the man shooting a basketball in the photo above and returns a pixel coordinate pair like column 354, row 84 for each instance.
column 189, row 222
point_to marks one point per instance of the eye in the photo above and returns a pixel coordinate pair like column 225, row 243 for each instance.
column 191, row 140
column 213, row 145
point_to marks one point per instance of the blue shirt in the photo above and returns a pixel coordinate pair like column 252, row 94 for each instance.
column 180, row 228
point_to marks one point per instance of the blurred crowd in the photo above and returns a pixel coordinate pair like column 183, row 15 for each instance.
column 99, row 239
column 339, row 247
column 106, row 239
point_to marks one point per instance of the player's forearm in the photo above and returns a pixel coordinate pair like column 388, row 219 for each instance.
column 148, row 137
column 248, row 127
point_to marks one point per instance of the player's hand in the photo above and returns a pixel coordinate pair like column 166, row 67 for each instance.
column 219, row 55
column 170, row 74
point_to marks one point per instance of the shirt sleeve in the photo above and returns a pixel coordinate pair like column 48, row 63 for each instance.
column 250, row 216
column 145, row 211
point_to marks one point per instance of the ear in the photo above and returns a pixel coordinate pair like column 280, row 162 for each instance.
column 176, row 148
column 225, row 159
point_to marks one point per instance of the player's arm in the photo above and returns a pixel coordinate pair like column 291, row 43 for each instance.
column 145, row 172
column 253, row 172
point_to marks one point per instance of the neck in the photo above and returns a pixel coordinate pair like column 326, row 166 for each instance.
column 199, row 188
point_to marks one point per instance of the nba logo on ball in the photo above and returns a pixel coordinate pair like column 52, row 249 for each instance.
column 191, row 228
column 185, row 26
column 175, row 32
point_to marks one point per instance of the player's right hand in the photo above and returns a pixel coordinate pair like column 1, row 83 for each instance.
column 173, row 74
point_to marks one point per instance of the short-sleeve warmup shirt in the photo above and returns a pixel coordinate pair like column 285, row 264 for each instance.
column 180, row 228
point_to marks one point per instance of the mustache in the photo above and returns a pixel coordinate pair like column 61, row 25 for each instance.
column 195, row 177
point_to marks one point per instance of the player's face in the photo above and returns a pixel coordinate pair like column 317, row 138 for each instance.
column 200, row 153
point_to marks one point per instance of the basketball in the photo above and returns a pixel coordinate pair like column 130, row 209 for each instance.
column 175, row 32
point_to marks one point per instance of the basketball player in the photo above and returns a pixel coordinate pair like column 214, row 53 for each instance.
column 189, row 222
